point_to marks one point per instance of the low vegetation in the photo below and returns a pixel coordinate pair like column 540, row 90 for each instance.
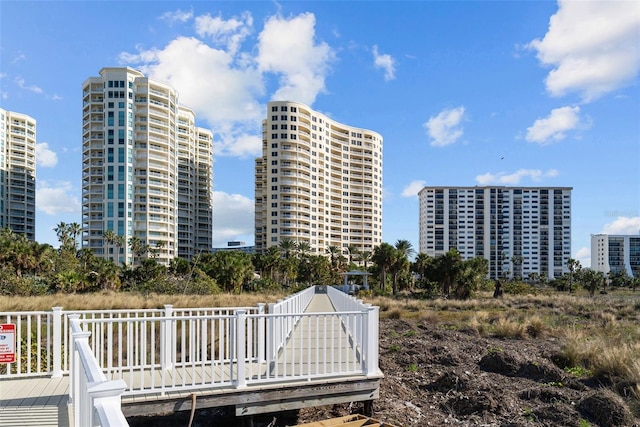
column 594, row 318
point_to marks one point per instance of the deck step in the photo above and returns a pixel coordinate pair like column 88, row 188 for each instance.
column 44, row 416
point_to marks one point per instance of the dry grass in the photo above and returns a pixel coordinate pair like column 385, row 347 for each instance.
column 114, row 300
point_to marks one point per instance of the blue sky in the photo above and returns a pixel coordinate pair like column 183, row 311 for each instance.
column 464, row 93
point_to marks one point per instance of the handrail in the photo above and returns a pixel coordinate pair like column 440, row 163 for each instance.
column 95, row 400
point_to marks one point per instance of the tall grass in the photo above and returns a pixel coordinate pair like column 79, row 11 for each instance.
column 122, row 300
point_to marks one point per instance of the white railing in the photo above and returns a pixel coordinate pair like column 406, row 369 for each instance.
column 367, row 338
column 160, row 350
column 95, row 400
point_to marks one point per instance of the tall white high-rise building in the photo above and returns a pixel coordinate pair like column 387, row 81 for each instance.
column 521, row 231
column 147, row 169
column 318, row 181
column 18, row 173
column 616, row 254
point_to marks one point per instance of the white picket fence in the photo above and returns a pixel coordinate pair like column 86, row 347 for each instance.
column 114, row 353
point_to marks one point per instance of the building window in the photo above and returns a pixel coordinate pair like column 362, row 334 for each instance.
column 283, row 127
column 274, row 118
column 274, row 108
column 283, row 117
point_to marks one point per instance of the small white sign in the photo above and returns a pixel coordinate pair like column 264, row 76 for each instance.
column 7, row 343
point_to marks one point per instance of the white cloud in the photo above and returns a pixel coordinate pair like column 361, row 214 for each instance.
column 55, row 199
column 623, row 225
column 213, row 85
column 177, row 16
column 20, row 57
column 228, row 33
column 554, row 126
column 44, row 156
column 444, row 128
column 224, row 86
column 413, row 188
column 23, row 85
column 584, row 256
column 287, row 47
column 233, row 216
column 592, row 46
column 386, row 62
column 536, row 175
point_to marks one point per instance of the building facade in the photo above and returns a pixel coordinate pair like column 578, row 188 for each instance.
column 318, row 181
column 18, row 173
column 521, row 231
column 147, row 170
column 616, row 254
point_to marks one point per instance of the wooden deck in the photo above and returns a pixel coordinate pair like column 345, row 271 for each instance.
column 43, row 401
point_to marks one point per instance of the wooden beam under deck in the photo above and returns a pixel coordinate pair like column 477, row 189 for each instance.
column 261, row 400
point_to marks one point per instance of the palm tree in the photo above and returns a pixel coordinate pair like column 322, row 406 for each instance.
column 447, row 269
column 334, row 252
column 109, row 236
column 383, row 257
column 574, row 266
column 353, row 252
column 365, row 257
column 420, row 266
column 75, row 230
column 286, row 247
column 137, row 247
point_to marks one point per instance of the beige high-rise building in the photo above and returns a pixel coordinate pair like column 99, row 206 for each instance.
column 147, row 169
column 318, row 181
column 18, row 173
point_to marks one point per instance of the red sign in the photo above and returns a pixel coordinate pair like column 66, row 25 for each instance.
column 7, row 343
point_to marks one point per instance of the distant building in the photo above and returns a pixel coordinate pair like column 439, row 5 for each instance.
column 236, row 246
column 519, row 230
column 616, row 254
column 147, row 169
column 18, row 173
column 318, row 182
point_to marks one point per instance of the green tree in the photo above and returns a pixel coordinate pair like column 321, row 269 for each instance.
column 446, row 268
column 591, row 280
column 230, row 269
column 420, row 266
column 574, row 266
column 383, row 257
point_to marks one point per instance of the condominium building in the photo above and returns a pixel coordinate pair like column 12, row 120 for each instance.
column 616, row 254
column 318, row 182
column 18, row 173
column 147, row 169
column 522, row 231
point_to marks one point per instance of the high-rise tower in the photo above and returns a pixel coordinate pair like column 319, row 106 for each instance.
column 146, row 169
column 18, row 173
column 318, row 181
column 519, row 230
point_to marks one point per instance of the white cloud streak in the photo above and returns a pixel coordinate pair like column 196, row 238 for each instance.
column 623, row 225
column 444, row 129
column 592, row 47
column 386, row 62
column 413, row 188
column 22, row 84
column 57, row 198
column 45, row 157
column 535, row 175
column 555, row 126
column 177, row 16
column 225, row 33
